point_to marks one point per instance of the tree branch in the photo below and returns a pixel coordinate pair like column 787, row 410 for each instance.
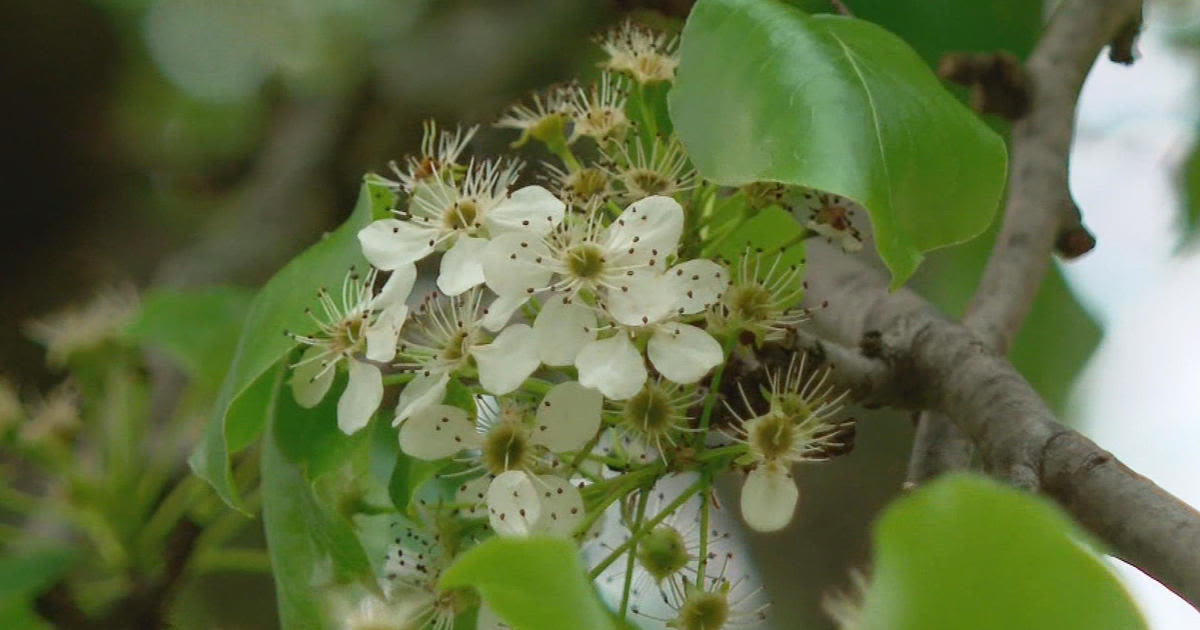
column 947, row 368
column 1040, row 215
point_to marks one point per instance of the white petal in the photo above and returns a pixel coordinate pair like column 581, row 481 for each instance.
column 424, row 390
column 511, row 267
column 497, row 314
column 390, row 243
column 562, row 506
column 561, row 329
column 383, row 333
column 506, row 362
column 612, row 366
column 639, row 299
column 568, row 417
column 462, row 265
column 650, row 227
column 769, row 498
column 473, row 494
column 310, row 379
column 696, row 285
column 683, row 353
column 364, row 392
column 489, row 620
column 397, row 287
column 513, row 505
column 437, row 431
column 532, row 209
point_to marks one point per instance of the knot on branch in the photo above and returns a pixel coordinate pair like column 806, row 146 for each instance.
column 1073, row 240
column 997, row 80
column 1122, row 49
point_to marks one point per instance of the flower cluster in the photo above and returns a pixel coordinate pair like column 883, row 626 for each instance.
column 571, row 356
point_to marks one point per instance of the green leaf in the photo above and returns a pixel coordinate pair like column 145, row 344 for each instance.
column 277, row 308
column 967, row 552
column 310, row 438
column 1191, row 195
column 24, row 575
column 304, row 536
column 765, row 92
column 197, row 328
column 771, row 230
column 532, row 584
column 408, row 476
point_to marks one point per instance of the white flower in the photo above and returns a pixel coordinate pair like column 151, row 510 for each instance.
column 761, row 299
column 681, row 352
column 599, row 110
column 360, row 324
column 516, row 450
column 440, row 150
column 445, row 335
column 641, row 53
column 661, row 170
column 620, row 264
column 458, row 219
column 831, row 216
column 412, row 570
column 799, row 426
column 656, row 414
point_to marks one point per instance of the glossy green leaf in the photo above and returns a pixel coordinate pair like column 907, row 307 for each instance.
column 310, row 545
column 532, row 584
column 310, row 438
column 197, row 328
column 277, row 308
column 765, row 92
column 967, row 552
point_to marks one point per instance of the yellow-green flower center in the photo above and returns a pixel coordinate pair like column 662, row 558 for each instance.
column 649, row 412
column 462, row 215
column 585, row 261
column 772, row 436
column 662, row 553
column 703, row 610
column 506, row 447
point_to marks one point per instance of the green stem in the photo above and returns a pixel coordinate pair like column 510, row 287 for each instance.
column 702, row 562
column 236, row 560
column 637, row 525
column 646, row 528
column 714, row 391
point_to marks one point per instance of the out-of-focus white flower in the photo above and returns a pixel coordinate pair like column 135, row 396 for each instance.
column 84, row 327
column 360, row 328
column 599, row 109
column 444, row 336
column 54, row 417
column 641, row 53
column 832, row 216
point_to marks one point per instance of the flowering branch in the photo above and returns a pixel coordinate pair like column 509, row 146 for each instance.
column 1040, row 215
column 1018, row 437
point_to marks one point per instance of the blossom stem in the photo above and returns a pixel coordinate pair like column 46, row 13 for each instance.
column 714, row 390
column 647, row 527
column 641, row 515
column 702, row 561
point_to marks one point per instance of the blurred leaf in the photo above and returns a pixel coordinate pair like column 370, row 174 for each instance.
column 768, row 231
column 967, row 552
column 765, row 92
column 532, row 584
column 310, row 438
column 1191, row 195
column 1055, row 340
column 409, row 474
column 24, row 575
column 277, row 308
column 936, row 27
column 198, row 328
column 303, row 536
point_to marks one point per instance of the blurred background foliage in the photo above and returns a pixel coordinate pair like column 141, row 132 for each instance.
column 185, row 143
